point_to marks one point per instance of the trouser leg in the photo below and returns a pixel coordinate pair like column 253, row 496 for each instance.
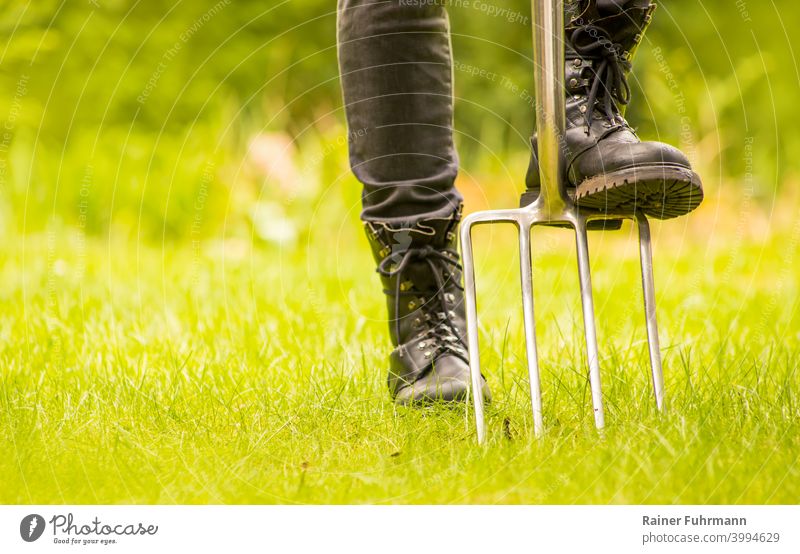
column 395, row 64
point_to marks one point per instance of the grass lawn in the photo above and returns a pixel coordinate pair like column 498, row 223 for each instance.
column 239, row 372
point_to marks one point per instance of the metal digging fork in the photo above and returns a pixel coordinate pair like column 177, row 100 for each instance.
column 553, row 206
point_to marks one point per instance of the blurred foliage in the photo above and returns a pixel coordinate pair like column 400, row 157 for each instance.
column 139, row 115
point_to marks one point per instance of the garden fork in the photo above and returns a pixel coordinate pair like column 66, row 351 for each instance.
column 553, row 206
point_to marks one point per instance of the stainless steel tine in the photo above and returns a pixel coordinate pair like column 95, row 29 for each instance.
column 471, row 302
column 584, row 272
column 649, row 288
column 526, row 272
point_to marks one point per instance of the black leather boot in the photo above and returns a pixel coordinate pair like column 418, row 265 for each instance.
column 607, row 168
column 421, row 274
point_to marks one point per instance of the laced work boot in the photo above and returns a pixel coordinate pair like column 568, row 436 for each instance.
column 421, row 275
column 607, row 167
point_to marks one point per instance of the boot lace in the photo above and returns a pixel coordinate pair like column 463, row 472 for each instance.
column 437, row 325
column 609, row 87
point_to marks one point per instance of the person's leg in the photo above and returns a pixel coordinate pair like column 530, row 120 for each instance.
column 607, row 167
column 395, row 64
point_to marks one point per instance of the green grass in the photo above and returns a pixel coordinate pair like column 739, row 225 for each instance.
column 239, row 373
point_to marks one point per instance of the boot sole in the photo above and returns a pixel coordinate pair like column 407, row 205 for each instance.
column 660, row 191
column 454, row 393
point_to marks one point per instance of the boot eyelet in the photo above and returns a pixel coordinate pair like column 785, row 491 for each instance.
column 576, row 62
column 583, row 108
column 428, row 354
column 421, row 346
column 412, row 305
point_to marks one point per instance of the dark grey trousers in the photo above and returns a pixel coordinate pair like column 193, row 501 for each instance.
column 396, row 73
column 395, row 61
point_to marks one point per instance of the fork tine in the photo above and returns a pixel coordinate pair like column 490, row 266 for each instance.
column 526, row 273
column 470, row 299
column 587, row 301
column 649, row 289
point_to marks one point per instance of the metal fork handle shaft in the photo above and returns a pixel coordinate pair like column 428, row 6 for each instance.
column 548, row 73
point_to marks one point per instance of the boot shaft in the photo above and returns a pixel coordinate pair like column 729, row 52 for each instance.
column 619, row 24
column 421, row 275
column 601, row 39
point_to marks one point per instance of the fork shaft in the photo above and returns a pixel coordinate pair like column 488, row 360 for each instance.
column 587, row 301
column 548, row 80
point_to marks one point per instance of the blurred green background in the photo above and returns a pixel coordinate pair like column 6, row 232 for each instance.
column 188, row 120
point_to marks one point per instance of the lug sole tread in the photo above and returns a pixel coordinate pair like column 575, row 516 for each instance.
column 661, row 192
